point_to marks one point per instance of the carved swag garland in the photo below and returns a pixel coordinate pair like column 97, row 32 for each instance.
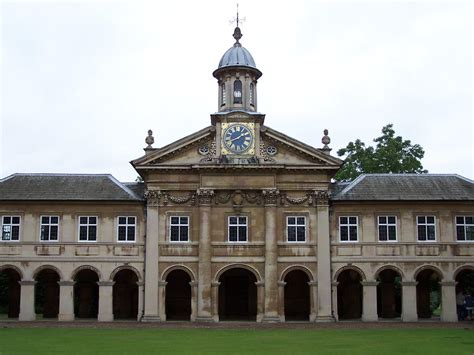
column 235, row 198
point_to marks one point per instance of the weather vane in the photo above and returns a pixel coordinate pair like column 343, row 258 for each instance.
column 236, row 19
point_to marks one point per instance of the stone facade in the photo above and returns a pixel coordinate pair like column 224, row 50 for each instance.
column 236, row 221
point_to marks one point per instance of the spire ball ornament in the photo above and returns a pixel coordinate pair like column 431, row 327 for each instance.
column 326, row 140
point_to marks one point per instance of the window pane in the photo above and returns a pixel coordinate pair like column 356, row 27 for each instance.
column 291, row 220
column 6, row 232
column 353, row 220
column 45, row 220
column 54, row 233
column 122, row 220
column 431, row 233
column 382, row 233
column 183, row 220
column 82, row 233
column 353, row 232
column 469, row 219
column 54, row 220
column 121, row 233
column 392, row 233
column 7, row 220
column 383, row 219
column 291, row 234
column 44, row 232
column 460, row 220
column 300, row 220
column 421, row 233
column 15, row 233
column 242, row 234
column 430, row 219
column 242, row 220
column 131, row 220
column 92, row 220
column 470, row 233
column 174, row 233
column 343, row 220
column 301, row 234
column 183, row 235
column 130, row 233
column 83, row 220
column 460, row 233
column 15, row 220
column 92, row 232
column 391, row 219
column 233, row 234
column 233, row 220
column 344, row 233
column 174, row 220
column 421, row 219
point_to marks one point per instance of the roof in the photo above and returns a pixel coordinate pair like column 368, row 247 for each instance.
column 70, row 187
column 237, row 56
column 405, row 187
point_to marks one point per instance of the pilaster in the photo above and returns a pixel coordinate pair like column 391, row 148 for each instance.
column 162, row 300
column 369, row 301
column 409, row 311
column 215, row 300
column 66, row 301
column 313, row 297
column 194, row 302
column 281, row 300
column 260, row 301
column 141, row 291
column 271, row 257
column 27, row 301
column 448, row 301
column 105, row 301
column 334, row 299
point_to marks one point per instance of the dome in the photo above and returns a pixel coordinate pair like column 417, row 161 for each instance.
column 237, row 56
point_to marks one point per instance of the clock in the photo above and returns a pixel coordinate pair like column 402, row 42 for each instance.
column 238, row 139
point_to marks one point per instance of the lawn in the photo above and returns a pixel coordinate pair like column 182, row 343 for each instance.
column 237, row 341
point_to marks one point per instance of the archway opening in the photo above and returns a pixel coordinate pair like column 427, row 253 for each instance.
column 237, row 295
column 125, row 295
column 178, row 296
column 47, row 293
column 389, row 294
column 349, row 295
column 10, row 293
column 465, row 287
column 297, row 297
column 428, row 294
column 86, row 294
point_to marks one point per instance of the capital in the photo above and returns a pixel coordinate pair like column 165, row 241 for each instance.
column 270, row 196
column 205, row 196
column 152, row 198
column 321, row 197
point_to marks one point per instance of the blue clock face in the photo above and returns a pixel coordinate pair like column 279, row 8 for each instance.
column 238, row 138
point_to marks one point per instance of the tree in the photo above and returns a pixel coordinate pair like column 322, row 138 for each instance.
column 390, row 155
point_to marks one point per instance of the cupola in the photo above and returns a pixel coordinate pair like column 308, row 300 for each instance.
column 237, row 77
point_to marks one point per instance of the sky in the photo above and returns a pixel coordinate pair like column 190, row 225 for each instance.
column 81, row 82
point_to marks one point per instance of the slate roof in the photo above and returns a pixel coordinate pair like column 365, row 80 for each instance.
column 66, row 187
column 405, row 187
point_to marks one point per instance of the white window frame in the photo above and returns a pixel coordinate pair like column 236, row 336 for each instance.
column 49, row 225
column 127, row 225
column 348, row 225
column 179, row 225
column 11, row 224
column 465, row 225
column 426, row 224
column 296, row 225
column 246, row 225
column 87, row 225
column 387, row 226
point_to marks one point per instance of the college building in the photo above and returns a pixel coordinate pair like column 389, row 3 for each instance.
column 235, row 222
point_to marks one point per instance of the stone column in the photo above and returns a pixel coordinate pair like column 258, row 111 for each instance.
column 151, row 258
column 27, row 301
column 215, row 300
column 162, row 300
column 448, row 301
column 270, row 197
column 66, row 301
column 204, row 273
column 140, row 299
column 334, row 299
column 106, row 313
column 194, row 285
column 369, row 301
column 260, row 301
column 281, row 300
column 324, row 313
column 409, row 312
column 313, row 297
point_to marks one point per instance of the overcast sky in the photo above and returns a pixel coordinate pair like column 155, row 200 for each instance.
column 82, row 82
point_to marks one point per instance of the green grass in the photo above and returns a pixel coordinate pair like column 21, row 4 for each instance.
column 235, row 341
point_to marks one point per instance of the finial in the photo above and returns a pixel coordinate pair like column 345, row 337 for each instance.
column 326, row 140
column 237, row 33
column 149, row 139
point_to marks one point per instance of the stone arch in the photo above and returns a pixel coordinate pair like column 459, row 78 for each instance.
column 291, row 268
column 389, row 267
column 427, row 267
column 13, row 267
column 46, row 267
column 350, row 267
column 124, row 267
column 182, row 267
column 86, row 267
column 238, row 265
column 461, row 268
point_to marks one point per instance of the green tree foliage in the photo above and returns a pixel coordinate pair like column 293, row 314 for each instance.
column 391, row 154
